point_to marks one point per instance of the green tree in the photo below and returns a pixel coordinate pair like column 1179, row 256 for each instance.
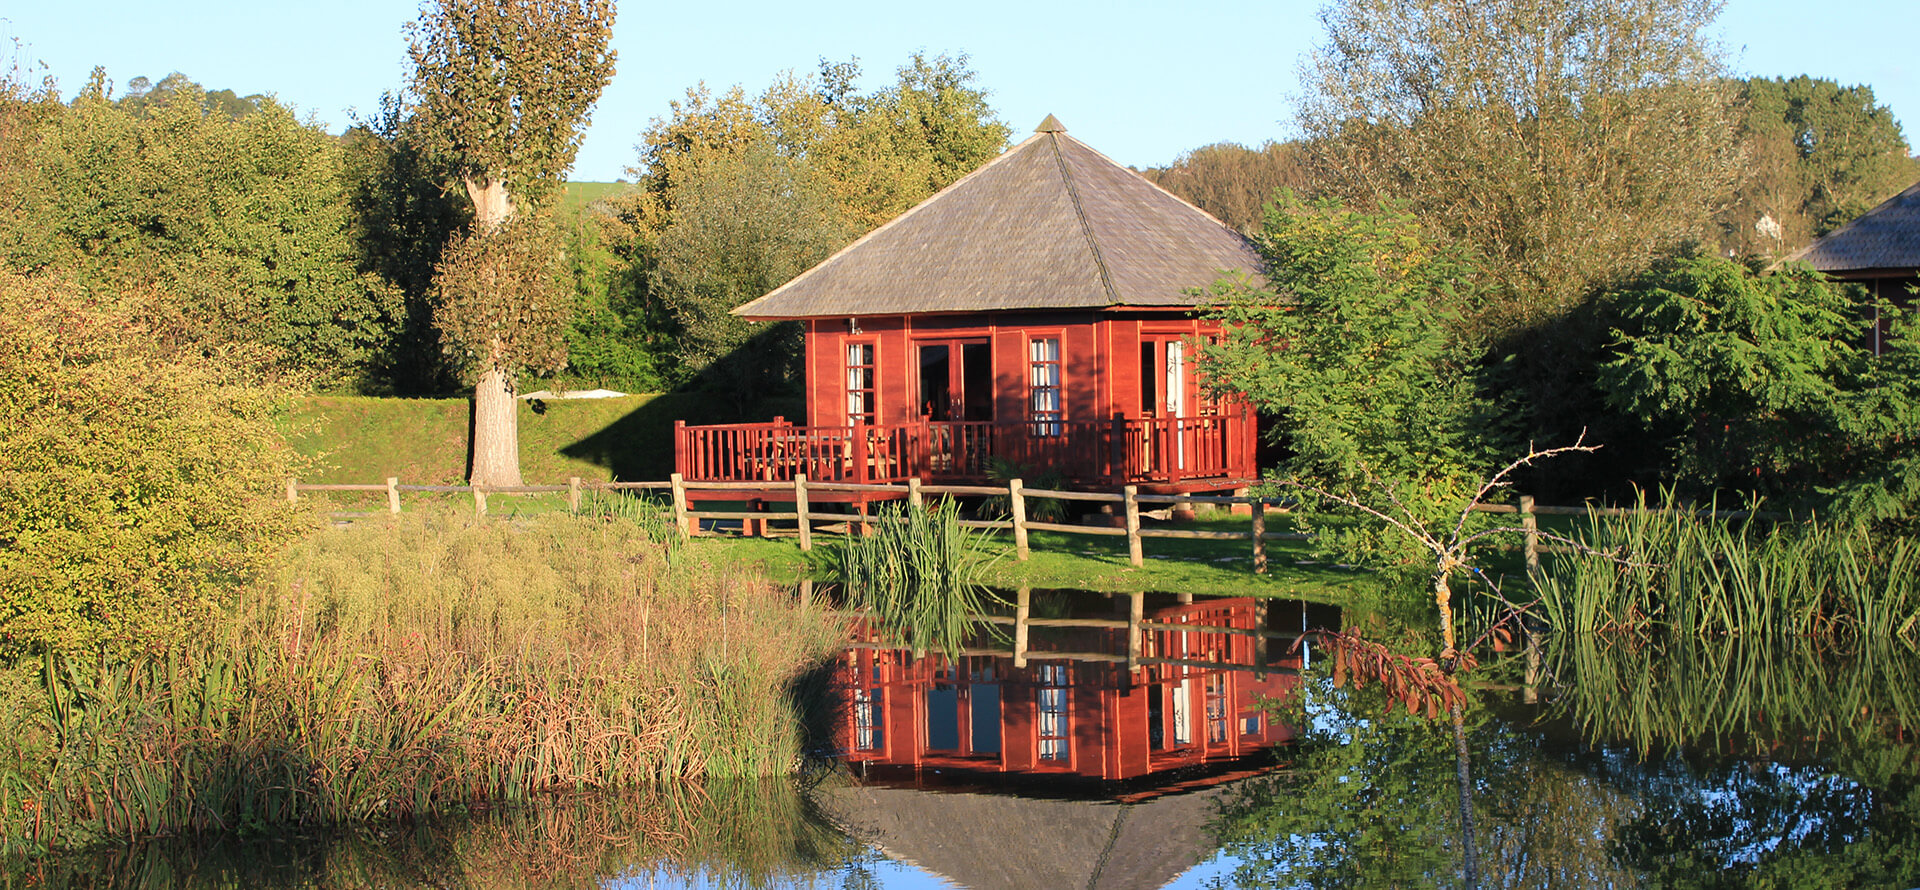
column 502, row 90
column 1821, row 154
column 1569, row 141
column 1233, row 182
column 737, row 194
column 236, row 227
column 136, row 485
column 1758, row 383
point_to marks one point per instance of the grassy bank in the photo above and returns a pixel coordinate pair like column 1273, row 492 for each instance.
column 415, row 664
column 352, row 439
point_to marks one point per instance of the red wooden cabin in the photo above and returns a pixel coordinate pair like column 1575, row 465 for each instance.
column 1092, row 719
column 1036, row 312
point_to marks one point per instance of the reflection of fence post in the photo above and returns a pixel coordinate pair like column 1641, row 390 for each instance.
column 479, row 501
column 393, row 494
column 1019, row 502
column 1022, row 610
column 1262, row 648
column 1136, row 611
column 1130, row 495
column 1259, row 536
column 806, row 525
column 573, row 494
column 1531, row 523
column 680, row 519
column 293, row 490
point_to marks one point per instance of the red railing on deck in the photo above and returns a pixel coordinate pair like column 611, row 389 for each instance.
column 1121, row 451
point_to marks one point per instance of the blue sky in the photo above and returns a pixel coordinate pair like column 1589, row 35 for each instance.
column 1140, row 81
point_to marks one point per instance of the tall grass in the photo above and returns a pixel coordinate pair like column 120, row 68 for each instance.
column 919, row 572
column 1672, row 569
column 401, row 667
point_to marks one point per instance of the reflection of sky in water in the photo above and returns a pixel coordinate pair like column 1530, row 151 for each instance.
column 893, row 875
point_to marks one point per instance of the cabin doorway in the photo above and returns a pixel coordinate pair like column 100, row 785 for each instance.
column 1166, row 393
column 956, row 400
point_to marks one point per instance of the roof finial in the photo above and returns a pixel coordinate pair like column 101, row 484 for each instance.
column 1051, row 125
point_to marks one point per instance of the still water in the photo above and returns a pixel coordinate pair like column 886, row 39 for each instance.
column 1116, row 742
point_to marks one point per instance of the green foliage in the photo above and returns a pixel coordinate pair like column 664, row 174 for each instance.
column 503, row 88
column 1357, row 352
column 1821, row 154
column 135, row 487
column 738, row 194
column 234, row 229
column 1759, row 383
column 143, row 97
column 1233, row 182
column 1570, row 141
column 498, row 298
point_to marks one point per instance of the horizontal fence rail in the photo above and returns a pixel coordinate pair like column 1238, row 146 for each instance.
column 756, row 517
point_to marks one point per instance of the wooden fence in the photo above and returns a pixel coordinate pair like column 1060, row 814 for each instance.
column 1127, row 504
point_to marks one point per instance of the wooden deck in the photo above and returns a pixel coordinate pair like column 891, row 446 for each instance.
column 1158, row 454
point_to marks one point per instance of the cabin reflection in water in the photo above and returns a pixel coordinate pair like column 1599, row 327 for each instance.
column 1164, row 685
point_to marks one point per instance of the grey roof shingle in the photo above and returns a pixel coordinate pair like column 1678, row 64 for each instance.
column 1885, row 238
column 1051, row 224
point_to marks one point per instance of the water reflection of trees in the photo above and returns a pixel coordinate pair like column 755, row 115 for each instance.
column 731, row 834
column 1706, row 765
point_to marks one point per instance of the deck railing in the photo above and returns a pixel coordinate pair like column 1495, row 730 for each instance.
column 1118, row 451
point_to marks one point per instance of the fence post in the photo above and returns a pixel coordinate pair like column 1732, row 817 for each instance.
column 680, row 504
column 1259, row 536
column 573, row 494
column 800, row 507
column 1022, row 610
column 1531, row 523
column 915, row 500
column 1130, row 495
column 293, row 490
column 479, row 501
column 393, row 494
column 1019, row 500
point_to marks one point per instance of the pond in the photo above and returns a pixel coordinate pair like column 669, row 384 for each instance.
column 1117, row 741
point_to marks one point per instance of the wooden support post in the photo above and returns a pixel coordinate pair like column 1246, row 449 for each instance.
column 1131, row 497
column 806, row 593
column 806, row 525
column 1136, row 611
column 1019, row 499
column 1531, row 523
column 393, row 494
column 1022, row 611
column 1259, row 536
column 915, row 500
column 479, row 501
column 293, row 490
column 573, row 494
column 680, row 519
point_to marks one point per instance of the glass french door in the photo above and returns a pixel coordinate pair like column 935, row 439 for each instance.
column 956, row 389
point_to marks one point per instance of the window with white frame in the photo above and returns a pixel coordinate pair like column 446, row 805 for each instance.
column 861, row 403
column 1044, row 396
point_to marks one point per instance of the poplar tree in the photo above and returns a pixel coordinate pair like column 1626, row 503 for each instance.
column 503, row 89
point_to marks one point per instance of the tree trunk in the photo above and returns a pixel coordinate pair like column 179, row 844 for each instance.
column 496, row 430
column 491, row 205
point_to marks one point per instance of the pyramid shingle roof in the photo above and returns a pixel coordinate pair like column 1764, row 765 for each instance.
column 1050, row 224
column 1885, row 239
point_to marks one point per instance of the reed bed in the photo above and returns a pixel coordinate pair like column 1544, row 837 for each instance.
column 919, row 571
column 412, row 664
column 1668, row 569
